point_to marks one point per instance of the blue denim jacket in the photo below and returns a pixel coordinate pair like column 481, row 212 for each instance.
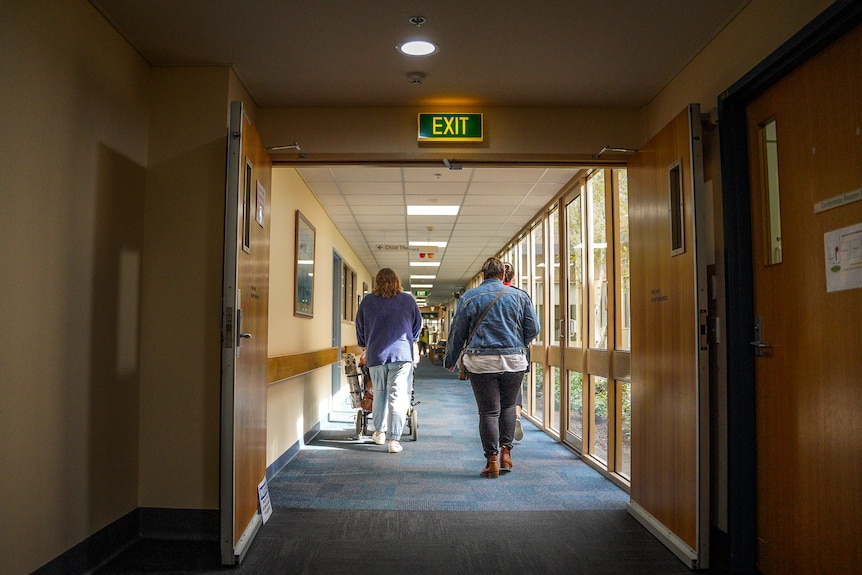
column 508, row 327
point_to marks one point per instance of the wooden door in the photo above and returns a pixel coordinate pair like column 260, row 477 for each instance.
column 804, row 139
column 244, row 342
column 669, row 358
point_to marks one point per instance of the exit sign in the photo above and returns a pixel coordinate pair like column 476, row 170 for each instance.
column 421, row 293
column 450, row 128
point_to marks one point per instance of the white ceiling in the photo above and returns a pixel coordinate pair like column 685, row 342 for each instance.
column 577, row 53
column 367, row 205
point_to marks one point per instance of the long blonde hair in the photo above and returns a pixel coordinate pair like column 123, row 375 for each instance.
column 386, row 283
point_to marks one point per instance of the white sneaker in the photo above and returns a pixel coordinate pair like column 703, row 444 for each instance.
column 519, row 431
column 379, row 437
column 395, row 447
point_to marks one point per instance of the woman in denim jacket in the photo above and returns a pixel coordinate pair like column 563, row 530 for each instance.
column 495, row 357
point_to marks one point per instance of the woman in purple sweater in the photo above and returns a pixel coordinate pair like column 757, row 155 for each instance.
column 387, row 324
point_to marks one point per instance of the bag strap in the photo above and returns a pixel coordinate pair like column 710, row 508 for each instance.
column 481, row 317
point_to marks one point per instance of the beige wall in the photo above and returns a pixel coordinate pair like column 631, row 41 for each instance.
column 336, row 134
column 295, row 405
column 73, row 154
column 181, row 304
column 760, row 28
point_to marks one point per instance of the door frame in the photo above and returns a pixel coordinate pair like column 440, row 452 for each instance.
column 337, row 273
column 833, row 23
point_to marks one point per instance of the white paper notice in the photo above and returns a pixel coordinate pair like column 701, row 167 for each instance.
column 843, row 258
column 263, row 497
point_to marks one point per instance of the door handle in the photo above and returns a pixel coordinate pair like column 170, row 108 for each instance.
column 759, row 347
column 239, row 333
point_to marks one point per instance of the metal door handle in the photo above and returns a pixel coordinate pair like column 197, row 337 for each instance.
column 759, row 346
column 239, row 333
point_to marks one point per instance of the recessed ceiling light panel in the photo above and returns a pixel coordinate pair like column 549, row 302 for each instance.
column 416, row 48
column 433, row 210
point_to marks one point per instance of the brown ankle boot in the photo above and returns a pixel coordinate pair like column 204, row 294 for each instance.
column 492, row 470
column 505, row 459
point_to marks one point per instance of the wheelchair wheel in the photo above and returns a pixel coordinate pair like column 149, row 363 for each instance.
column 414, row 424
column 360, row 423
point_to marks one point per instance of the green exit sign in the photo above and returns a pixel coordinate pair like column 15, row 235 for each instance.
column 450, row 128
column 421, row 293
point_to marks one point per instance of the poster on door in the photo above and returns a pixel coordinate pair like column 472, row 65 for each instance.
column 843, row 258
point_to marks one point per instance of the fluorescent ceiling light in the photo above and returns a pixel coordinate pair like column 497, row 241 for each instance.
column 415, row 277
column 416, row 48
column 421, row 285
column 437, row 244
column 425, row 264
column 432, row 210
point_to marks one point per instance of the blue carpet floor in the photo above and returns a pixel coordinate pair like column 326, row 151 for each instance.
column 440, row 470
column 344, row 505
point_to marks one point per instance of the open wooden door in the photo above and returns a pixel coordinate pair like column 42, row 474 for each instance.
column 804, row 149
column 245, row 310
column 669, row 352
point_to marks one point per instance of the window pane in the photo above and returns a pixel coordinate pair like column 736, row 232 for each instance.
column 524, row 267
column 623, row 310
column 600, row 418
column 769, row 137
column 554, row 377
column 538, row 272
column 598, row 261
column 576, row 404
column 554, row 277
column 624, row 428
column 576, row 262
column 538, row 392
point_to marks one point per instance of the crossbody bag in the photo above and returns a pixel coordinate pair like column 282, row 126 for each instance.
column 462, row 371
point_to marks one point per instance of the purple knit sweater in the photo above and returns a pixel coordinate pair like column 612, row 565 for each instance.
column 387, row 328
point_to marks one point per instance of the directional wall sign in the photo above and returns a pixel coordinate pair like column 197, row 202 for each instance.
column 396, row 248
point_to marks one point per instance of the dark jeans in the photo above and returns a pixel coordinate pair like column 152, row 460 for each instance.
column 495, row 397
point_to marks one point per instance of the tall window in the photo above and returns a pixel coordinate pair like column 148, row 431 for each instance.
column 574, row 263
column 598, row 244
column 623, row 419
column 574, row 339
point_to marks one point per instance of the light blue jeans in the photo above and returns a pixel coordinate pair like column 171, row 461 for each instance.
column 393, row 384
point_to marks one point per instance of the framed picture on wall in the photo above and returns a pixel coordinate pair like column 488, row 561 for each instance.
column 304, row 268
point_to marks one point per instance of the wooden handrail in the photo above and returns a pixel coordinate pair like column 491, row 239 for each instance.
column 286, row 366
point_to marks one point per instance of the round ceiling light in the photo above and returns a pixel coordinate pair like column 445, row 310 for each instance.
column 416, row 48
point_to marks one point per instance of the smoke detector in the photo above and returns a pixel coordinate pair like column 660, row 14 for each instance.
column 416, row 77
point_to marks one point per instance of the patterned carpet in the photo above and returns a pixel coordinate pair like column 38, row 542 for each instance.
column 344, row 505
column 440, row 470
